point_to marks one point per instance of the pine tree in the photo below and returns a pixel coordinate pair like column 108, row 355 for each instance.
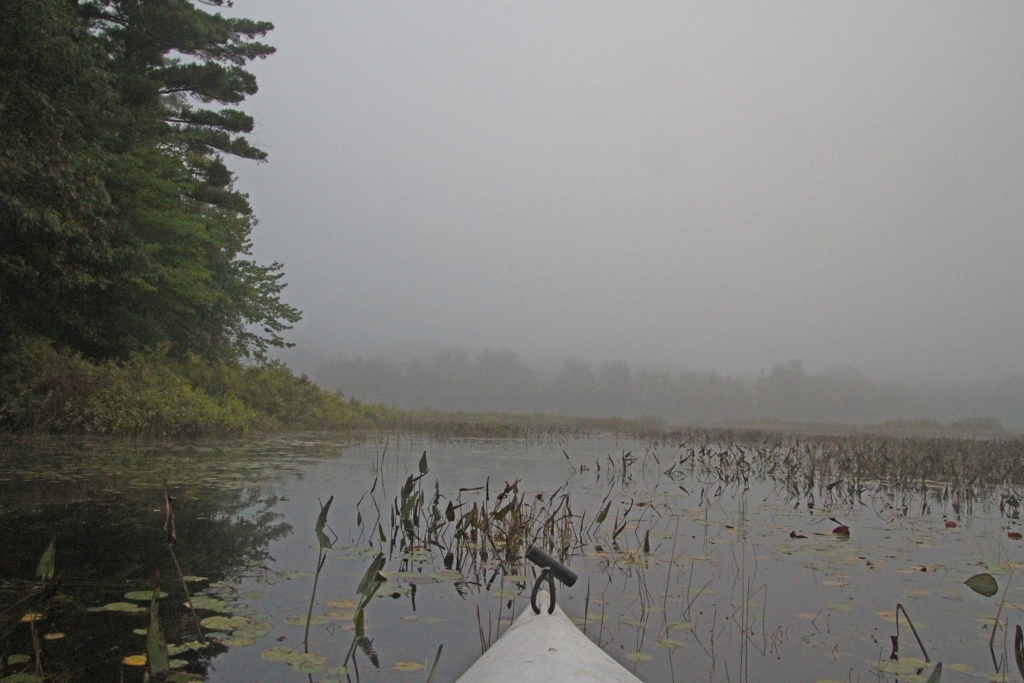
column 122, row 228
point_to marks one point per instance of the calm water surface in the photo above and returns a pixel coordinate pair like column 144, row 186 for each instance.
column 743, row 579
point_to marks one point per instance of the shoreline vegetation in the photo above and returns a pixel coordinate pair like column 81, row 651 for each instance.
column 48, row 391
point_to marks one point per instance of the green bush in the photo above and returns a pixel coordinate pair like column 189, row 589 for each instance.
column 46, row 389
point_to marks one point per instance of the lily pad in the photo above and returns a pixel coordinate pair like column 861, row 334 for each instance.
column 208, row 603
column 408, row 666
column 300, row 661
column 670, row 643
column 226, row 623
column 128, row 607
column 143, row 596
column 983, row 584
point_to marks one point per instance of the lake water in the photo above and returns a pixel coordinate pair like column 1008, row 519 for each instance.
column 713, row 562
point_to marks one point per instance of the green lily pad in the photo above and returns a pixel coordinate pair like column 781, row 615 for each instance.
column 639, row 657
column 17, row 659
column 226, row 623
column 128, row 607
column 300, row 661
column 300, row 620
column 208, row 603
column 983, row 584
column 173, row 649
column 143, row 596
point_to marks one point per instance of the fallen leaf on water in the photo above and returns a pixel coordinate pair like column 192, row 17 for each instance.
column 1013, row 535
column 950, row 524
column 407, row 666
column 134, row 660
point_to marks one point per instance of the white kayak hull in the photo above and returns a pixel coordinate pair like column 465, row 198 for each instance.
column 545, row 648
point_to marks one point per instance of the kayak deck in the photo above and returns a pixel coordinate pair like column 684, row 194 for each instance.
column 545, row 647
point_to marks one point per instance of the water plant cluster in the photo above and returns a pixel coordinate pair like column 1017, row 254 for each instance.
column 731, row 557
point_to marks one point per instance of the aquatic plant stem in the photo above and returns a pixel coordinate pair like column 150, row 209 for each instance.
column 999, row 612
column 320, row 560
column 900, row 608
column 437, row 658
column 188, row 596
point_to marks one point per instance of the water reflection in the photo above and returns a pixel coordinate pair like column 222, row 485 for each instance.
column 706, row 560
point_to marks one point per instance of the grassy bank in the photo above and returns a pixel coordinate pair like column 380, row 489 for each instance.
column 43, row 389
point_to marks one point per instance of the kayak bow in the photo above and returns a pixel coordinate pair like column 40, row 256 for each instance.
column 545, row 648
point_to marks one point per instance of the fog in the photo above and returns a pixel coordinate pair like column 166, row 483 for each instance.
column 700, row 186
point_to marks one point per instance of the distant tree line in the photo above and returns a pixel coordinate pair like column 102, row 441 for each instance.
column 500, row 381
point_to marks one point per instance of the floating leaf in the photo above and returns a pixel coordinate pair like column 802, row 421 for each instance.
column 185, row 647
column 128, row 607
column 18, row 659
column 31, row 616
column 1014, row 536
column 143, row 596
column 670, row 643
column 300, row 661
column 237, row 641
column 134, row 660
column 983, row 584
column 195, row 579
column 53, row 636
column 950, row 524
column 208, row 603
column 408, row 666
column 639, row 657
column 300, row 620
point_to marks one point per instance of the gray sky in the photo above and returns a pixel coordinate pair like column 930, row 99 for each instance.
column 694, row 185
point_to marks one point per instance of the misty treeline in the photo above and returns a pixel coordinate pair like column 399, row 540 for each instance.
column 497, row 380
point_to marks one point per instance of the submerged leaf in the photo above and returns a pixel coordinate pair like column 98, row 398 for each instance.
column 983, row 584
